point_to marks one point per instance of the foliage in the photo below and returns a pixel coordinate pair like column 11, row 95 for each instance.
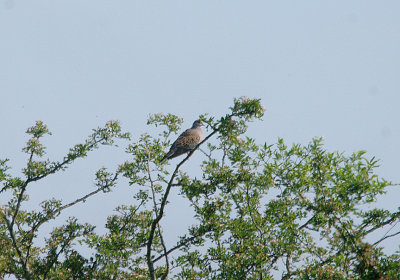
column 258, row 209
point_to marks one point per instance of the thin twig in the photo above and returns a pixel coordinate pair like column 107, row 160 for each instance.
column 179, row 245
column 385, row 237
column 83, row 198
column 67, row 160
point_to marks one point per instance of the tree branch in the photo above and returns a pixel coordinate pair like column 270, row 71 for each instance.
column 19, row 253
column 380, row 225
column 67, row 160
column 58, row 210
column 150, row 262
column 83, row 198
column 156, row 211
column 385, row 237
column 179, row 245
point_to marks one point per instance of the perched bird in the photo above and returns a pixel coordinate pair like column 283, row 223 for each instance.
column 187, row 141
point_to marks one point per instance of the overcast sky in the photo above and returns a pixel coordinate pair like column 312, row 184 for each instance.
column 321, row 68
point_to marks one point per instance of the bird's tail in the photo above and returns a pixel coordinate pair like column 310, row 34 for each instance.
column 167, row 156
column 163, row 159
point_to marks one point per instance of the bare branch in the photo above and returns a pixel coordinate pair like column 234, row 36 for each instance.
column 385, row 237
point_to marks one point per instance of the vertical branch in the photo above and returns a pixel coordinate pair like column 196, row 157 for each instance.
column 150, row 262
column 10, row 224
column 19, row 200
column 156, row 213
column 15, row 244
column 287, row 266
column 21, row 194
column 225, row 153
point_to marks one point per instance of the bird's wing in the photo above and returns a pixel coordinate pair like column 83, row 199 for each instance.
column 188, row 139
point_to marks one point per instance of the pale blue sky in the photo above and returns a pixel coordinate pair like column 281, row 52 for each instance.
column 321, row 68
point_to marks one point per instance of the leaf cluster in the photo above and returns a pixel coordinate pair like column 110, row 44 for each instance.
column 259, row 210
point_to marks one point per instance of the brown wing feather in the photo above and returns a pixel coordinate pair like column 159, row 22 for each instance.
column 187, row 139
column 185, row 142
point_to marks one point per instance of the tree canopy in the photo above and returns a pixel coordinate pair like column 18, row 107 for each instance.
column 259, row 209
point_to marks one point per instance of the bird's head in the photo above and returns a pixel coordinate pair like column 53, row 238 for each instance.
column 197, row 123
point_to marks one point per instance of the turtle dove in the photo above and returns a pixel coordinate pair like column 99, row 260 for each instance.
column 187, row 141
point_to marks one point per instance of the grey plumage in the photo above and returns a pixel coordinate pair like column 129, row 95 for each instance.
column 187, row 141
